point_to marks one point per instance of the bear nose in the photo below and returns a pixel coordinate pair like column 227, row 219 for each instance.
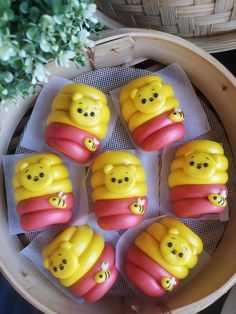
column 86, row 114
column 151, row 99
column 36, row 179
column 199, row 166
column 119, row 181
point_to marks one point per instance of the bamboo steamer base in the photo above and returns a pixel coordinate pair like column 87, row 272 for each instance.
column 124, row 47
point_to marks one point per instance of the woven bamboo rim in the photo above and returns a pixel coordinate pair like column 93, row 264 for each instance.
column 219, row 86
column 204, row 22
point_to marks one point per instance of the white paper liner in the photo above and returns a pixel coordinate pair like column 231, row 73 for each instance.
column 196, row 122
column 34, row 250
column 151, row 167
column 77, row 176
column 126, row 241
column 33, row 137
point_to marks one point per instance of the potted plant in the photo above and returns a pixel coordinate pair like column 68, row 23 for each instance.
column 34, row 32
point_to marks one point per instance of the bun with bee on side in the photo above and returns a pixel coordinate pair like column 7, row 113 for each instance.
column 197, row 179
column 78, row 121
column 119, row 190
column 42, row 191
column 81, row 260
column 152, row 112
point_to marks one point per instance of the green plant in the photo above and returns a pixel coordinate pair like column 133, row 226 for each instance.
column 34, row 32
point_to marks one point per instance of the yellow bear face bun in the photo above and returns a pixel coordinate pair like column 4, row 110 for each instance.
column 199, row 165
column 149, row 98
column 36, row 176
column 199, row 162
column 120, row 179
column 82, row 106
column 85, row 112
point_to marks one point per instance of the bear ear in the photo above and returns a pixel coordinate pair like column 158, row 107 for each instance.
column 99, row 103
column 46, row 263
column 77, row 96
column 188, row 153
column 156, row 84
column 66, row 245
column 133, row 93
column 107, row 168
column 173, row 231
column 132, row 167
column 45, row 162
column 24, row 165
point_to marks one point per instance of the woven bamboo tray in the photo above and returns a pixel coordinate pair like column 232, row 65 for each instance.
column 210, row 24
column 124, row 47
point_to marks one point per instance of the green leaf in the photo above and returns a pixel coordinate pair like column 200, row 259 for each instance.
column 24, row 7
column 6, row 52
column 45, row 45
column 57, row 6
column 45, row 21
column 31, row 32
column 34, row 13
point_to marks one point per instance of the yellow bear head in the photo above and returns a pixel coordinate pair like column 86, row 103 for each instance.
column 199, row 165
column 63, row 262
column 85, row 112
column 37, row 176
column 149, row 98
column 120, row 179
column 175, row 249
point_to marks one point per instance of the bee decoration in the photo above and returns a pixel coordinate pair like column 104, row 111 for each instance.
column 91, row 143
column 138, row 208
column 58, row 201
column 168, row 283
column 177, row 115
column 218, row 199
column 104, row 274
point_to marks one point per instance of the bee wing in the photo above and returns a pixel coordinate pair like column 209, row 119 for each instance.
column 140, row 201
column 60, row 194
column 223, row 194
column 96, row 142
column 104, row 266
column 64, row 197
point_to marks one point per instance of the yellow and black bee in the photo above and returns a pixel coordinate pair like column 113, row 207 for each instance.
column 91, row 143
column 168, row 283
column 138, row 208
column 218, row 199
column 177, row 115
column 104, row 274
column 58, row 201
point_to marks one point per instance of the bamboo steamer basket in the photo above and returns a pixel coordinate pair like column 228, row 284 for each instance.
column 119, row 47
column 210, row 24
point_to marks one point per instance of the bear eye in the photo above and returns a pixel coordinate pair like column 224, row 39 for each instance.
column 205, row 164
column 170, row 244
column 61, row 267
column 64, row 261
column 192, row 163
column 55, row 269
column 144, row 100
column 92, row 114
column 126, row 179
column 79, row 110
column 181, row 254
column 29, row 177
column 155, row 95
column 113, row 179
column 41, row 174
